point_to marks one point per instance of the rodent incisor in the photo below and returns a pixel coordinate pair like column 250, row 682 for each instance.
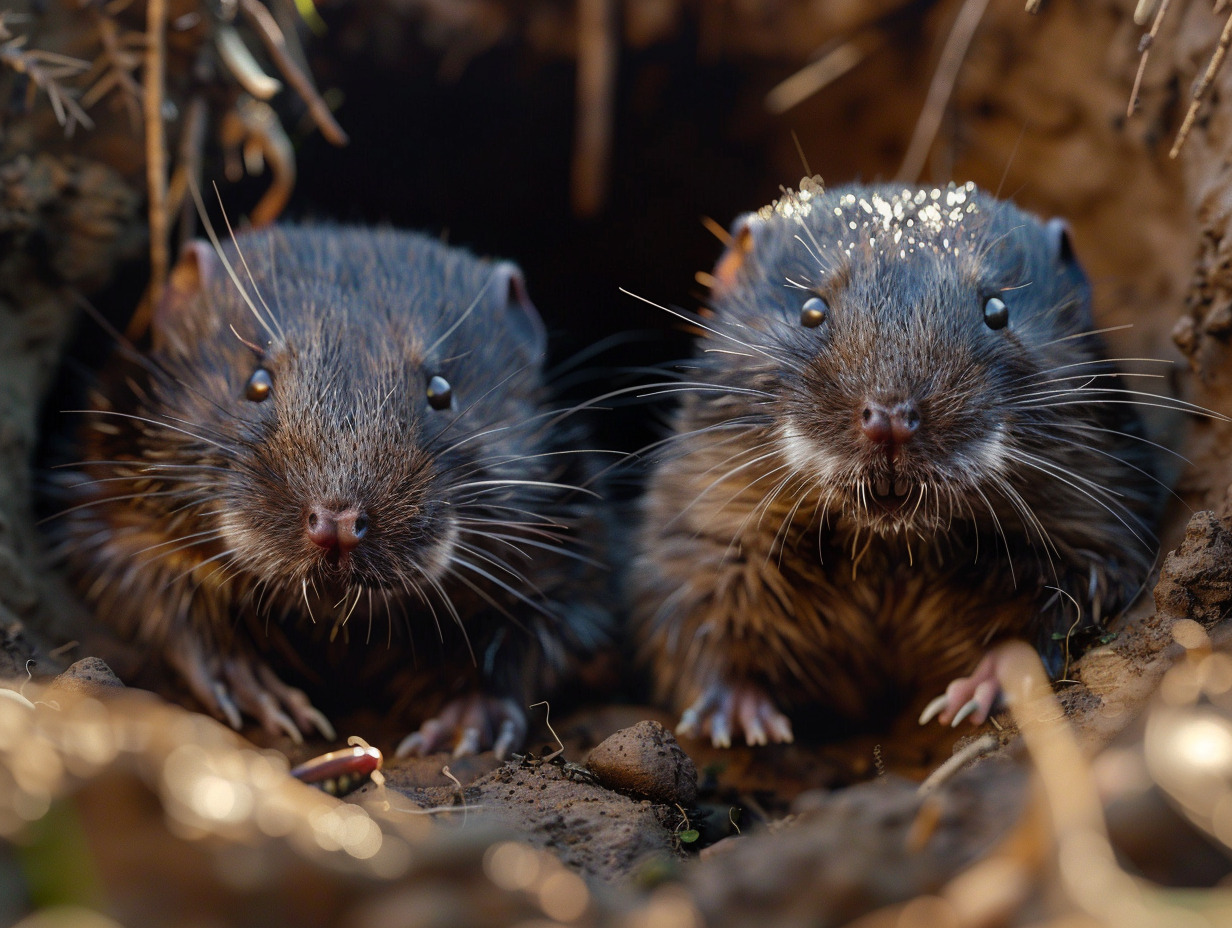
column 350, row 430
column 904, row 445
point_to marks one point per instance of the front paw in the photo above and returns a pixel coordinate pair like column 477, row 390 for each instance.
column 973, row 698
column 727, row 710
column 468, row 725
column 239, row 683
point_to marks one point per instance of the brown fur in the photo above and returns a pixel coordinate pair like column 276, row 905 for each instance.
column 186, row 529
column 764, row 558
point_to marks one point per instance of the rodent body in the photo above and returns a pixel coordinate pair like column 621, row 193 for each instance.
column 904, row 444
column 342, row 454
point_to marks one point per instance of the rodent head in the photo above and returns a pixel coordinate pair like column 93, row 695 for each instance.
column 367, row 406
column 899, row 334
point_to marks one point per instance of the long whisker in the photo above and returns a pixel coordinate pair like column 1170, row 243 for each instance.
column 155, row 422
column 701, row 325
column 270, row 326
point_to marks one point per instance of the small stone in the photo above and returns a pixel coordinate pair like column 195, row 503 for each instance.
column 1196, row 579
column 89, row 676
column 646, row 761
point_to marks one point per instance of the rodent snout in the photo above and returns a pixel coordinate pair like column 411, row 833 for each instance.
column 890, row 426
column 338, row 531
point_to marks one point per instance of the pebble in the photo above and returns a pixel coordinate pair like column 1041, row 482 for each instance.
column 646, row 761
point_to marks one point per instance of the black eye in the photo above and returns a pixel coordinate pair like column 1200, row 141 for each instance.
column 259, row 385
column 440, row 393
column 996, row 313
column 814, row 311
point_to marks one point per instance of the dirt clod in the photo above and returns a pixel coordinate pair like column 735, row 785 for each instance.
column 646, row 761
column 1196, row 581
column 88, row 676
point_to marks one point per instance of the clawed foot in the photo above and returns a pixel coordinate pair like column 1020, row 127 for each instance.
column 972, row 698
column 725, row 710
column 469, row 725
column 240, row 684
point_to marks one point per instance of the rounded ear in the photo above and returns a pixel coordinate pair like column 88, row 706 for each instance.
column 509, row 286
column 740, row 246
column 1060, row 241
column 197, row 268
column 1061, row 253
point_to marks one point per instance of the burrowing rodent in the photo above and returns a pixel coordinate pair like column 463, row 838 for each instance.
column 903, row 443
column 338, row 457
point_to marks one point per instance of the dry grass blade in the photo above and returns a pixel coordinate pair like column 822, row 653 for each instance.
column 252, row 130
column 275, row 42
column 46, row 71
column 1144, row 46
column 598, row 53
column 113, row 69
column 828, row 67
column 156, row 144
column 942, row 86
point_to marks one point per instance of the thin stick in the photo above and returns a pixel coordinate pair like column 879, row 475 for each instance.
column 275, row 43
column 547, row 720
column 942, row 86
column 717, row 231
column 1144, row 46
column 192, row 145
column 596, row 93
column 818, row 74
column 985, row 744
column 1199, row 92
column 155, row 143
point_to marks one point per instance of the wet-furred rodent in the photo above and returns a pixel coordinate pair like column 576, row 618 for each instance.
column 338, row 457
column 901, row 442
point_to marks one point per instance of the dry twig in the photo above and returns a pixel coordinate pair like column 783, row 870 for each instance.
column 598, row 54
column 113, row 69
column 252, row 129
column 188, row 165
column 46, row 71
column 942, row 86
column 275, row 42
column 155, row 143
column 982, row 745
column 828, row 67
column 1201, row 88
column 1144, row 46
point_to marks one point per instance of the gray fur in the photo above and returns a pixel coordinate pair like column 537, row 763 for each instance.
column 764, row 558
column 209, row 557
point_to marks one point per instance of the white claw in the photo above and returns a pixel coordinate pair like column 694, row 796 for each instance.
column 689, row 724
column 754, row 733
column 228, row 707
column 933, row 709
column 411, row 744
column 505, row 740
column 281, row 721
column 969, row 707
column 322, row 724
column 468, row 744
column 782, row 730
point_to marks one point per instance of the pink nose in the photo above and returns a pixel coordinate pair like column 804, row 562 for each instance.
column 337, row 531
column 891, row 426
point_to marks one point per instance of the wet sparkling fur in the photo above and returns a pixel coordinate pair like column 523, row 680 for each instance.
column 186, row 530
column 766, row 564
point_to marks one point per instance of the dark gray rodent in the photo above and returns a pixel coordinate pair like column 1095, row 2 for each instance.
column 903, row 445
column 338, row 458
